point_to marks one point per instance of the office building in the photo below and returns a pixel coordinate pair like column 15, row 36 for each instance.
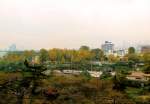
column 108, row 48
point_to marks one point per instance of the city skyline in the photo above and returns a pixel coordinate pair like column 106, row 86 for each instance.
column 116, row 47
column 49, row 24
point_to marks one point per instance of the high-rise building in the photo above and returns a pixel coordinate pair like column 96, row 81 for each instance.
column 145, row 49
column 108, row 48
column 12, row 48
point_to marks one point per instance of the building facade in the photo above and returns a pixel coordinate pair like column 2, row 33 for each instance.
column 145, row 49
column 108, row 48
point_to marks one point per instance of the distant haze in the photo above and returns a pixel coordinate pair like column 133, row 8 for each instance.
column 35, row 24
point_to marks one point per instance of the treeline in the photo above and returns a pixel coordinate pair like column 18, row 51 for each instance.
column 84, row 55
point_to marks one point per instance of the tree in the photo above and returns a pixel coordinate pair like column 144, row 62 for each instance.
column 147, row 69
column 131, row 50
column 53, row 54
column 86, row 75
column 133, row 57
column 112, row 58
column 84, row 48
column 146, row 59
column 28, row 54
column 105, row 75
column 119, row 81
column 13, row 57
column 97, row 54
column 44, row 56
column 84, row 55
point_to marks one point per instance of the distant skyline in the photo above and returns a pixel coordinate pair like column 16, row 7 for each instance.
column 35, row 24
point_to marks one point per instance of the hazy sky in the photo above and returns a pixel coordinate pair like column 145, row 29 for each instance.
column 72, row 23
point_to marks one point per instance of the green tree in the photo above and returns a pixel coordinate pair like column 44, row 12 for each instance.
column 131, row 50
column 98, row 54
column 133, row 58
column 147, row 69
column 44, row 56
column 84, row 48
column 86, row 75
column 119, row 81
column 105, row 75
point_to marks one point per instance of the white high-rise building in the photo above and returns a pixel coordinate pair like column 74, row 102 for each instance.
column 108, row 48
column 12, row 48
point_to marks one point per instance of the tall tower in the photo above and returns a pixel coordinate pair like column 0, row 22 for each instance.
column 108, row 48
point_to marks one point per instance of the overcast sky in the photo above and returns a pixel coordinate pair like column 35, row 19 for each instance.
column 72, row 23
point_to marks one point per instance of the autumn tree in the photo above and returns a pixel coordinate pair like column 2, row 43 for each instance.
column 84, row 55
column 53, row 54
column 146, row 58
column 12, row 57
column 28, row 54
column 112, row 58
